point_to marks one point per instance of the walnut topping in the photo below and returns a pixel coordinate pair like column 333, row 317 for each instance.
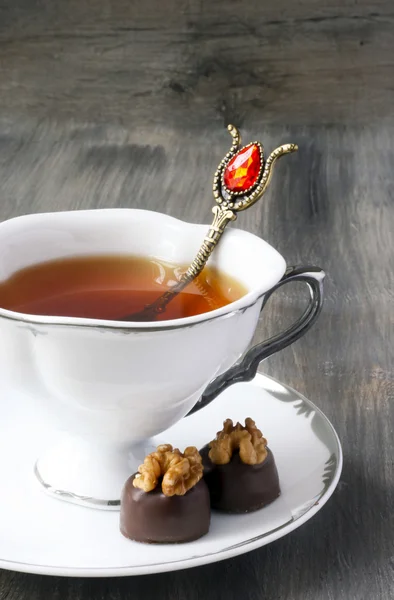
column 179, row 472
column 247, row 439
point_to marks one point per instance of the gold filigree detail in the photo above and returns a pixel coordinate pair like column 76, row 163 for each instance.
column 228, row 203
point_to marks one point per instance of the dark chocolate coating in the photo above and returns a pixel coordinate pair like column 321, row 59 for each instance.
column 239, row 488
column 152, row 517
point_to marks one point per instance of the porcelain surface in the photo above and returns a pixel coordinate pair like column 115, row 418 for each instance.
column 107, row 387
column 41, row 535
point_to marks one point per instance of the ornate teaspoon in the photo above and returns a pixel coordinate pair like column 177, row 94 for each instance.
column 241, row 178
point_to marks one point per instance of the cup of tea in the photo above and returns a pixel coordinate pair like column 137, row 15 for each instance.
column 106, row 385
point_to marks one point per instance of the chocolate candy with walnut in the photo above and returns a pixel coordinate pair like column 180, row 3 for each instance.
column 167, row 501
column 240, row 469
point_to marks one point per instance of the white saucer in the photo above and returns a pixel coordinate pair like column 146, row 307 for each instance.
column 41, row 535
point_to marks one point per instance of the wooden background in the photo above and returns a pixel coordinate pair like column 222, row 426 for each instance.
column 124, row 103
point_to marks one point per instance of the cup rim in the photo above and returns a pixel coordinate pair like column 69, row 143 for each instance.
column 240, row 305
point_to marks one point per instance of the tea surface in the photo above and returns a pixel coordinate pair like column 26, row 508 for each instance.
column 110, row 287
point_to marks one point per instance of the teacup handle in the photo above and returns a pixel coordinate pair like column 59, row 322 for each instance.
column 247, row 368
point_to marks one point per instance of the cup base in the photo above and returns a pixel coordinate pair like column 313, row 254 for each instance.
column 88, row 474
column 88, row 501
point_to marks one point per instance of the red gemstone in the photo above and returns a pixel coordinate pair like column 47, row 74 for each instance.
column 243, row 169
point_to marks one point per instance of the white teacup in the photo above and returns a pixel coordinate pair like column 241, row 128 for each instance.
column 109, row 386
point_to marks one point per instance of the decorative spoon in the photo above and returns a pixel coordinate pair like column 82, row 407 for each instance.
column 240, row 180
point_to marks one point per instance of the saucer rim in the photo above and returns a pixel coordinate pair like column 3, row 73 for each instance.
column 238, row 549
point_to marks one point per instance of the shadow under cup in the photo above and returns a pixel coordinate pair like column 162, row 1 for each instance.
column 107, row 387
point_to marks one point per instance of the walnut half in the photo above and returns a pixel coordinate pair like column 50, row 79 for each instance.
column 247, row 439
column 179, row 472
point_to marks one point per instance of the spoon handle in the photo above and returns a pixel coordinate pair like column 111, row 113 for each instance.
column 228, row 203
column 221, row 219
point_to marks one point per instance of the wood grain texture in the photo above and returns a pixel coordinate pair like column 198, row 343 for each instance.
column 197, row 60
column 116, row 104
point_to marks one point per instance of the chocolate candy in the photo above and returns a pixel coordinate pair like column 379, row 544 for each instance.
column 152, row 517
column 237, row 487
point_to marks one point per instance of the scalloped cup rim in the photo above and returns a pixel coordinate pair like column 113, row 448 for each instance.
column 247, row 300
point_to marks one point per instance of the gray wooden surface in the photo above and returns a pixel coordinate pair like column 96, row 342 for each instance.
column 124, row 104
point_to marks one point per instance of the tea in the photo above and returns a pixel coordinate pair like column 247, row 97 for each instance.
column 109, row 287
